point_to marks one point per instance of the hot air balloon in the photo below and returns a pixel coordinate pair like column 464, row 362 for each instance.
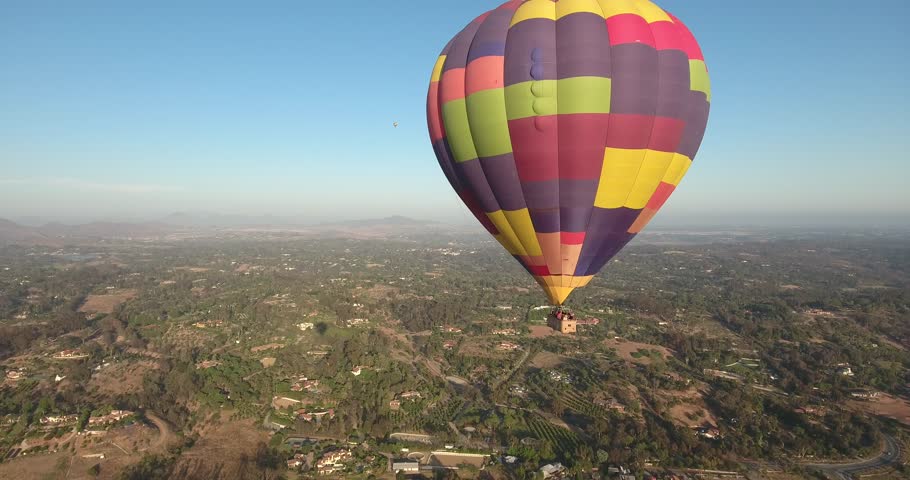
column 565, row 125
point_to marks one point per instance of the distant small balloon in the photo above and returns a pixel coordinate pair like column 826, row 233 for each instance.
column 395, row 124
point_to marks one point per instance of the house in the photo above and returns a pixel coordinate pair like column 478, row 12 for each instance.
column 114, row 416
column 711, row 433
column 294, row 464
column 449, row 344
column 333, row 461
column 508, row 346
column 590, row 321
column 865, row 394
column 552, row 470
column 405, row 466
column 505, row 331
column 409, row 395
column 15, row 375
column 451, row 330
column 357, row 371
column 68, row 354
column 395, row 404
column 845, row 371
column 59, row 419
column 305, row 326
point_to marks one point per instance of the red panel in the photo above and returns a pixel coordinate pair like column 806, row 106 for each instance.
column 485, row 73
column 541, row 270
column 629, row 130
column 535, row 150
column 660, row 196
column 452, row 85
column 434, row 116
column 667, row 36
column 572, row 238
column 666, row 134
column 581, row 145
column 629, row 28
column 690, row 46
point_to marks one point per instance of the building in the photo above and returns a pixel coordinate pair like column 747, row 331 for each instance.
column 562, row 322
column 552, row 470
column 395, row 404
column 405, row 466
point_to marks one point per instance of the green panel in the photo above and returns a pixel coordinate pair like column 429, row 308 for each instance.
column 530, row 99
column 458, row 131
column 584, row 95
column 698, row 74
column 489, row 125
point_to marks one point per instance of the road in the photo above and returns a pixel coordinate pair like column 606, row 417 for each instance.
column 164, row 430
column 891, row 453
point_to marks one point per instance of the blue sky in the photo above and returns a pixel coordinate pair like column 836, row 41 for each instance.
column 119, row 111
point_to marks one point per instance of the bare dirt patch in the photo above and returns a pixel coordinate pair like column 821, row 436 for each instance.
column 691, row 415
column 121, row 378
column 546, row 360
column 379, row 292
column 896, row 408
column 108, row 302
column 193, row 269
column 121, row 447
column 222, row 451
column 541, row 331
column 637, row 352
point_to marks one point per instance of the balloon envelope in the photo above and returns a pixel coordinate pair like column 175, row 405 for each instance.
column 565, row 125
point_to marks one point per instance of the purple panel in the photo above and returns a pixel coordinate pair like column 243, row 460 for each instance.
column 458, row 50
column 574, row 219
column 577, row 193
column 606, row 234
column 673, row 84
column 444, row 156
column 471, row 175
column 611, row 246
column 696, row 121
column 545, row 220
column 490, row 38
column 542, row 194
column 582, row 46
column 504, row 182
column 635, row 82
column 531, row 44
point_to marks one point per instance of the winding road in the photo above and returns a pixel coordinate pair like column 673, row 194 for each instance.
column 891, row 453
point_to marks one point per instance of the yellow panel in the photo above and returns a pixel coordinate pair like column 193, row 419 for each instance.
column 617, row 177
column 568, row 7
column 581, row 281
column 643, row 8
column 652, row 171
column 506, row 244
column 520, row 221
column 699, row 79
column 652, row 13
column 678, row 168
column 508, row 238
column 534, row 9
column 437, row 69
